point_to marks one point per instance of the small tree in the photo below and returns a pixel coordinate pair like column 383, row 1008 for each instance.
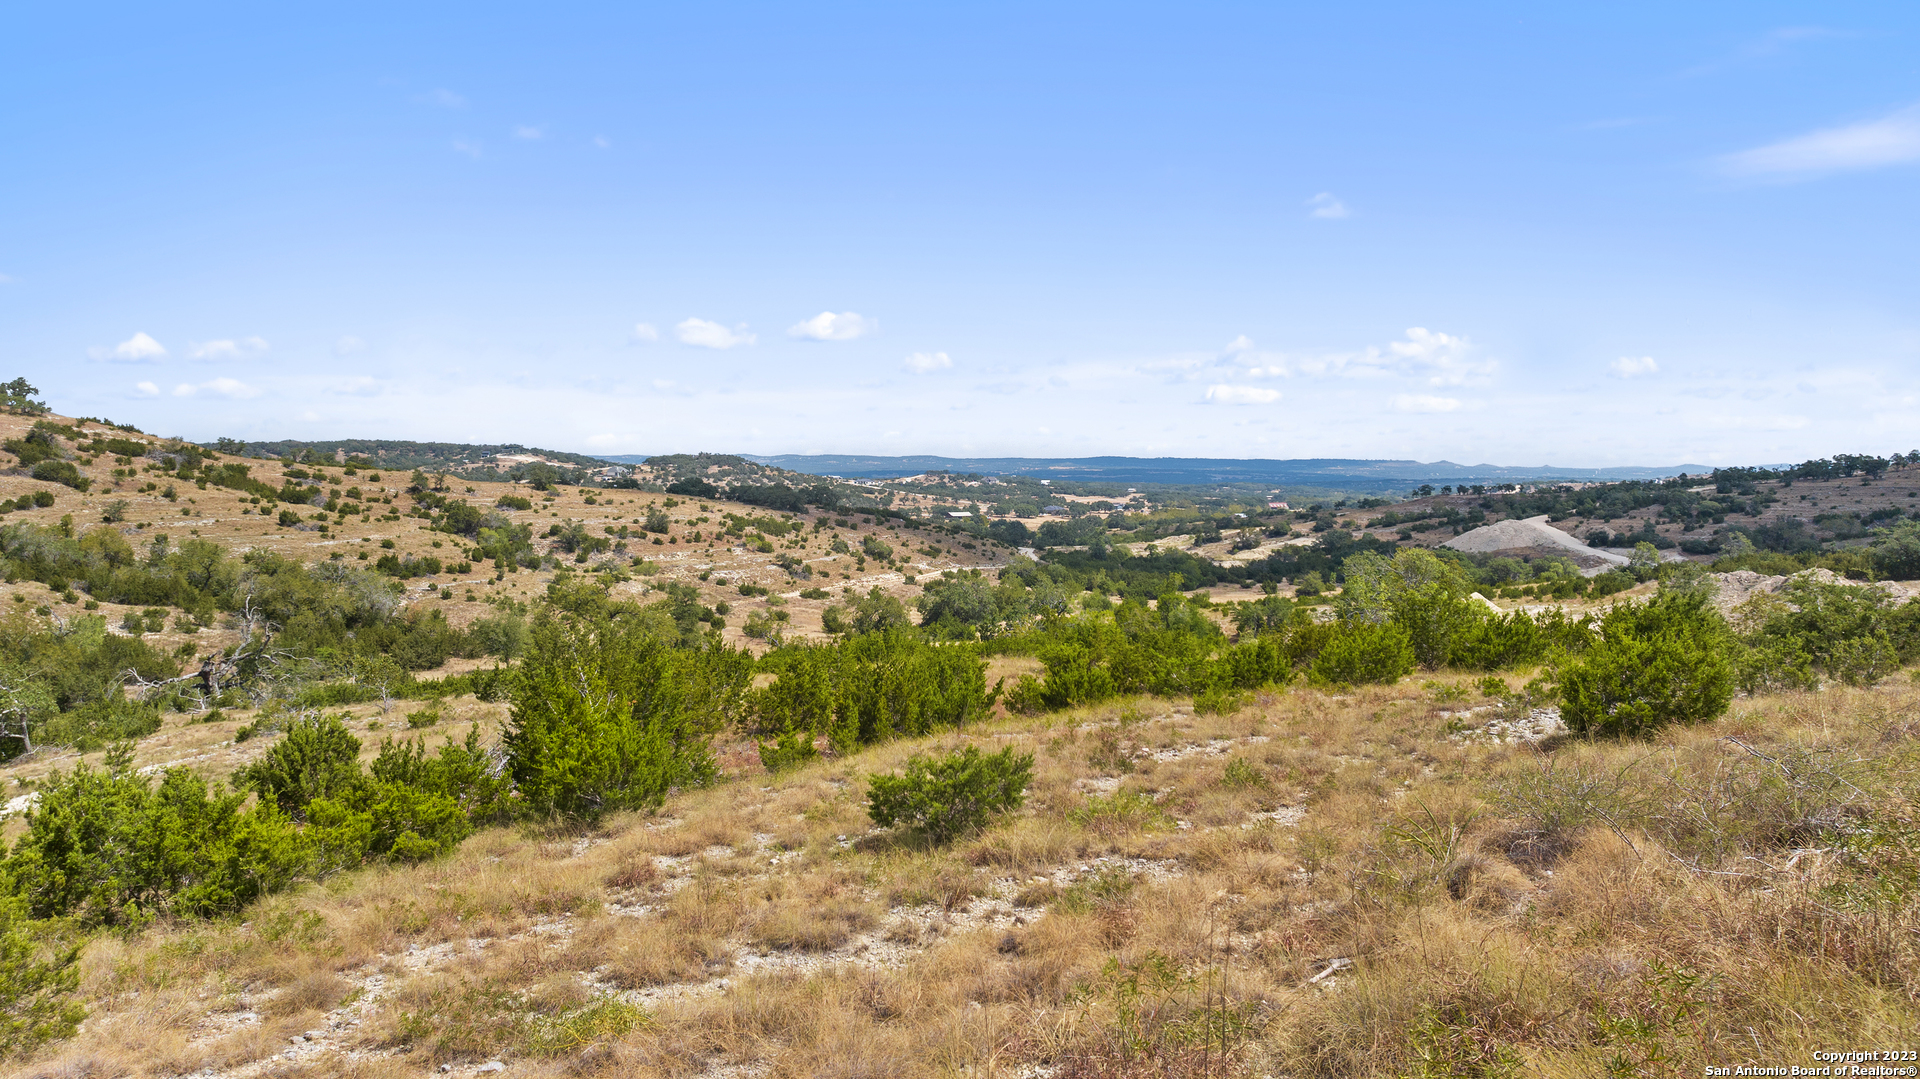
column 877, row 612
column 24, row 699
column 1644, row 563
column 604, row 718
column 946, row 797
column 17, row 396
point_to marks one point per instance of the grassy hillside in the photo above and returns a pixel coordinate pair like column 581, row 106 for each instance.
column 1369, row 883
column 459, row 457
column 319, row 769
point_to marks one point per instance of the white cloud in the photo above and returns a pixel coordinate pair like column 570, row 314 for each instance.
column 1327, row 207
column 827, row 326
column 467, row 147
column 1240, row 352
column 1442, row 359
column 602, row 141
column 348, row 345
column 644, row 331
column 1444, row 355
column 1890, row 140
column 698, row 331
column 136, row 349
column 447, row 99
column 1629, row 366
column 1241, row 395
column 246, row 348
column 231, row 388
column 146, row 389
column 7, row 279
column 528, row 131
column 358, row 386
column 1421, row 402
column 921, row 363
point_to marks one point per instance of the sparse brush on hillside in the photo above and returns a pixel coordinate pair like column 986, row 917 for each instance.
column 1205, row 836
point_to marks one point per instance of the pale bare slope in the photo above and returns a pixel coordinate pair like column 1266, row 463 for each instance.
column 1532, row 532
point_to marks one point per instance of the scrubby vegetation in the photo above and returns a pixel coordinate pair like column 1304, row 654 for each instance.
column 1079, row 815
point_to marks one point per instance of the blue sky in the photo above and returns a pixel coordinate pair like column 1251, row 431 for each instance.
column 1626, row 234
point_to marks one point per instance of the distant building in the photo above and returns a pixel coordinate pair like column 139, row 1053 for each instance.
column 958, row 513
column 1053, row 509
column 1278, row 506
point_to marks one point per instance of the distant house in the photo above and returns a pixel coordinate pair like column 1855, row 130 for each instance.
column 1278, row 506
column 958, row 513
column 1053, row 509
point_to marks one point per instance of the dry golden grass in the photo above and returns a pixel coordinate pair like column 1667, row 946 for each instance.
column 1312, row 886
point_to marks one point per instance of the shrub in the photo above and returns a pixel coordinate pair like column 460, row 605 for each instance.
column 1359, row 653
column 317, row 759
column 504, row 635
column 1851, row 633
column 1242, row 773
column 61, row 472
column 109, row 847
column 692, row 486
column 610, row 717
column 946, row 797
column 514, row 502
column 35, row 985
column 1655, row 663
column 791, row 750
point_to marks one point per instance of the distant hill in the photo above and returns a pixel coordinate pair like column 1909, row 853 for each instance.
column 1320, row 472
column 450, row 456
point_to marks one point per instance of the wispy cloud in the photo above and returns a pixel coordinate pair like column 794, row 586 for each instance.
column 6, row 279
column 644, row 331
column 1870, row 144
column 348, row 345
column 467, row 147
column 602, row 141
column 827, row 326
column 921, row 363
column 446, row 99
column 246, row 348
column 1324, row 205
column 1775, row 42
column 136, row 349
column 1633, row 366
column 528, row 131
column 704, row 334
column 1421, row 402
column 1241, row 395
column 358, row 386
column 1443, row 359
column 231, row 388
